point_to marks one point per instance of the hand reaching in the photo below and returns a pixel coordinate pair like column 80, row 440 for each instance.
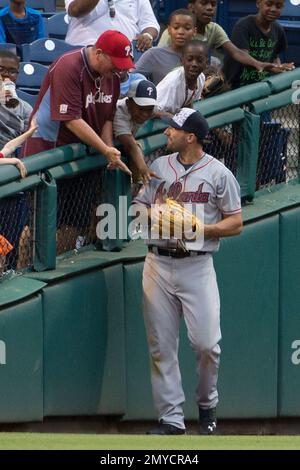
column 20, row 165
column 274, row 68
column 113, row 156
column 286, row 67
column 146, row 174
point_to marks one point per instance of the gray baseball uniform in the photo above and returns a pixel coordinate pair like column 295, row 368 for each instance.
column 175, row 287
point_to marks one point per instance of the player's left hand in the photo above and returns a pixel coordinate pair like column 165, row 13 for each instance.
column 143, row 42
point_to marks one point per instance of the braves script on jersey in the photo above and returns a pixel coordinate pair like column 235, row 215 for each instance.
column 208, row 185
column 71, row 90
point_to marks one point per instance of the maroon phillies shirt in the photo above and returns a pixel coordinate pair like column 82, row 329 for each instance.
column 71, row 90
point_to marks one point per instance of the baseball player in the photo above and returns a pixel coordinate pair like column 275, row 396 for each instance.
column 179, row 277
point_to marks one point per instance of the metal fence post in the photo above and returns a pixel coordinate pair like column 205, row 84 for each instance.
column 247, row 155
column 46, row 210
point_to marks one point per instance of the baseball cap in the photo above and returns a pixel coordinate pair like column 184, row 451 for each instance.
column 143, row 93
column 190, row 120
column 118, row 47
column 132, row 77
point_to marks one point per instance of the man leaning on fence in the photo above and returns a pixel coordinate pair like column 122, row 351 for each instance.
column 77, row 100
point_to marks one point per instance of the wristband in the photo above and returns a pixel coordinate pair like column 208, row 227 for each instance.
column 149, row 35
column 1, row 155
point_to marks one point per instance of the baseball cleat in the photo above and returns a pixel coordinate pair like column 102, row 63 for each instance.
column 207, row 421
column 165, row 429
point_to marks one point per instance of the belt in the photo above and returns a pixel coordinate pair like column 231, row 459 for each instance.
column 174, row 252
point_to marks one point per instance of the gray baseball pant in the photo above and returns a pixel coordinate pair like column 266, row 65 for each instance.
column 174, row 287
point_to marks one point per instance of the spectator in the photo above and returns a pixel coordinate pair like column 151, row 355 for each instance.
column 132, row 112
column 215, row 36
column 206, row 30
column 81, row 106
column 184, row 85
column 14, row 211
column 20, row 24
column 263, row 38
column 89, row 18
column 13, row 120
column 157, row 62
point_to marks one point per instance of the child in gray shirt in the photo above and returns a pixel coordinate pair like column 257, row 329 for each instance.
column 14, row 119
column 157, row 62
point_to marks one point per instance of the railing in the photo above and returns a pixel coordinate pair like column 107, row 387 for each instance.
column 253, row 130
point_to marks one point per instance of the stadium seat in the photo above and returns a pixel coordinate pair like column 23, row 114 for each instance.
column 28, row 97
column 57, row 25
column 45, row 51
column 8, row 46
column 31, row 75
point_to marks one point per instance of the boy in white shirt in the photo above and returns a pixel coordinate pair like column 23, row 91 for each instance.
column 184, row 85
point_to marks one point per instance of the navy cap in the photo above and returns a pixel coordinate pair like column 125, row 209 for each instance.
column 143, row 92
column 190, row 120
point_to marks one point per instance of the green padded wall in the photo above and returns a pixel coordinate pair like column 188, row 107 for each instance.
column 21, row 361
column 248, row 273
column 248, row 276
column 84, row 346
column 139, row 399
column 289, row 320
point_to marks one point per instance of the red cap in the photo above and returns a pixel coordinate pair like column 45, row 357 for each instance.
column 118, row 47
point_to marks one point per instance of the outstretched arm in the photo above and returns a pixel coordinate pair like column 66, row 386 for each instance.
column 132, row 149
column 81, row 7
column 243, row 56
column 11, row 146
column 88, row 136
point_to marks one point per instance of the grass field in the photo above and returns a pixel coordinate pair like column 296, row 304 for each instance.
column 35, row 441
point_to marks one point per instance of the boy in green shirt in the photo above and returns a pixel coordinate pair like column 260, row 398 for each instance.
column 263, row 38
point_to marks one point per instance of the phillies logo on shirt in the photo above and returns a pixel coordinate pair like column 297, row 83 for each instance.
column 98, row 97
column 175, row 192
column 63, row 109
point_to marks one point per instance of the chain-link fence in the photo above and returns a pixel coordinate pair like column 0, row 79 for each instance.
column 77, row 201
column 151, row 157
column 16, row 232
column 222, row 143
column 278, row 158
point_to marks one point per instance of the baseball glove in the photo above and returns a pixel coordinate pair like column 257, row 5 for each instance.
column 174, row 220
column 213, row 85
column 5, row 246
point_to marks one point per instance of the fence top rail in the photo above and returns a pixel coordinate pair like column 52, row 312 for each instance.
column 273, row 102
column 232, row 99
column 225, row 118
column 43, row 161
column 282, row 81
